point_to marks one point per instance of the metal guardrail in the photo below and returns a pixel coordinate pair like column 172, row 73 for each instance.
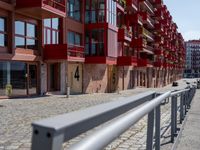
column 50, row 134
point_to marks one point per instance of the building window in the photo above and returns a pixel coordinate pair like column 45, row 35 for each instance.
column 73, row 38
column 3, row 33
column 51, row 31
column 96, row 10
column 95, row 43
column 15, row 74
column 25, row 35
column 74, row 9
column 112, row 12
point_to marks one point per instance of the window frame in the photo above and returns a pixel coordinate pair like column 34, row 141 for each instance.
column 25, row 37
column 51, row 30
column 75, row 33
column 90, row 43
column 4, row 33
column 97, row 10
column 73, row 12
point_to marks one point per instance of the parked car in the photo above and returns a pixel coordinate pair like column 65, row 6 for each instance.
column 175, row 84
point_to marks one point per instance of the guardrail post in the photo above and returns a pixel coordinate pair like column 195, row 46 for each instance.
column 157, row 128
column 150, row 129
column 175, row 109
column 185, row 103
column 181, row 107
column 173, row 118
column 42, row 139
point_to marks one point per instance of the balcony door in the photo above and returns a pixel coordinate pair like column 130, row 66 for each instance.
column 32, row 79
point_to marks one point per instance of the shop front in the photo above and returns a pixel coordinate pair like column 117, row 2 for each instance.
column 18, row 78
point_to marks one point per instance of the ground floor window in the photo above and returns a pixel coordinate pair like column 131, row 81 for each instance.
column 17, row 78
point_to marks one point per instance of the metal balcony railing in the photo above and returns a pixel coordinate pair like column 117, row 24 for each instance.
column 147, row 33
column 57, row 4
column 148, row 5
column 75, row 51
column 121, row 3
column 50, row 134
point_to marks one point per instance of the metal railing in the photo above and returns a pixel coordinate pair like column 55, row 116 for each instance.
column 60, row 5
column 50, row 134
column 75, row 50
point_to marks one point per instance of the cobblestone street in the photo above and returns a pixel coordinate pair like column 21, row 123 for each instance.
column 16, row 116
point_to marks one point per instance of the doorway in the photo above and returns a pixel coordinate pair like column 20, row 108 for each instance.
column 54, row 77
column 32, row 79
column 132, row 79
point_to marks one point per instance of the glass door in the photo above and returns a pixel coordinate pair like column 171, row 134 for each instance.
column 32, row 79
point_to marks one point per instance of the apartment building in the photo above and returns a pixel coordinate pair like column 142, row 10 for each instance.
column 192, row 69
column 88, row 45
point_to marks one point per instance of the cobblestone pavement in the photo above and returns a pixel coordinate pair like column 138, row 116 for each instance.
column 16, row 116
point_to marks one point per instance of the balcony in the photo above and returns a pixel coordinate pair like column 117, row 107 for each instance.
column 147, row 19
column 42, row 8
column 121, row 4
column 134, row 18
column 75, row 53
column 158, row 3
column 158, row 64
column 159, row 28
column 158, row 52
column 124, row 35
column 141, row 45
column 127, row 61
column 132, row 5
column 144, row 63
column 100, row 60
column 159, row 14
column 145, row 33
column 167, row 45
column 165, row 22
column 165, row 65
column 165, row 33
column 64, row 52
column 148, row 6
column 159, row 40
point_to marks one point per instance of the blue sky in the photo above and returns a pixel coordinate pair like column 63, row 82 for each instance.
column 186, row 14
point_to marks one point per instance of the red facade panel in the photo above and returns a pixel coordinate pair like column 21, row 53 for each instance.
column 64, row 52
column 42, row 8
column 127, row 61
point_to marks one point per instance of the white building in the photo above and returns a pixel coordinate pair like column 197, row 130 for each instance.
column 192, row 58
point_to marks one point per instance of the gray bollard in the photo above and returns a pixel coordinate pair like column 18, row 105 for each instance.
column 68, row 91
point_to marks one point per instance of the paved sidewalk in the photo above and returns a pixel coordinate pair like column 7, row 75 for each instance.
column 190, row 139
column 16, row 116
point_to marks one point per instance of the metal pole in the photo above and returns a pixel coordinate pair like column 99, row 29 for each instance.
column 150, row 129
column 185, row 105
column 181, row 107
column 175, row 115
column 157, row 132
column 172, row 118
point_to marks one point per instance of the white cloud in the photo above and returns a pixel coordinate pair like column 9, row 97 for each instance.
column 191, row 35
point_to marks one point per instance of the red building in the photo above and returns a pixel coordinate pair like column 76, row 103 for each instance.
column 89, row 46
